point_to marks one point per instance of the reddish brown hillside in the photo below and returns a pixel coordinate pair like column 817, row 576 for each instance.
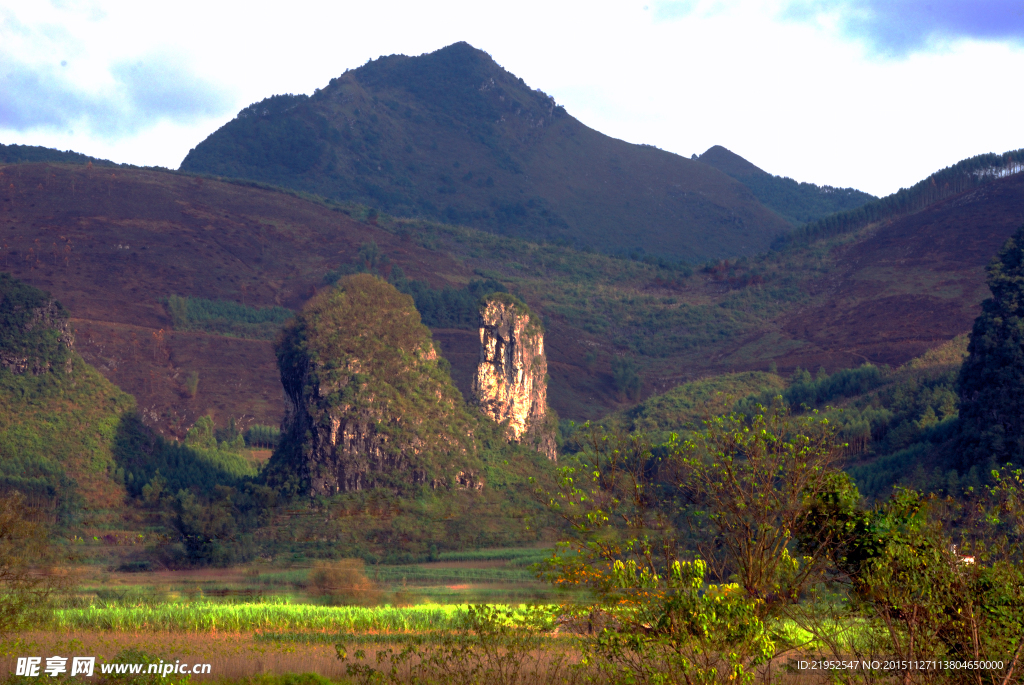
column 909, row 285
column 111, row 244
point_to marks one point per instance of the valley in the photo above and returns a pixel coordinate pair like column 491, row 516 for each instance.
column 420, row 379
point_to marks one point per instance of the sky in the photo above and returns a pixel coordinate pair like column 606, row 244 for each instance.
column 870, row 94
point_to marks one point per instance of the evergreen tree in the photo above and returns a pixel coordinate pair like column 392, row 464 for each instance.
column 991, row 382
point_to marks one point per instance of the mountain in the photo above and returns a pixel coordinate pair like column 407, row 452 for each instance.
column 177, row 286
column 451, row 136
column 372, row 403
column 12, row 154
column 800, row 203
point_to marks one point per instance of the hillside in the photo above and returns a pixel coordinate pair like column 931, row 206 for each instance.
column 12, row 154
column 911, row 283
column 800, row 203
column 372, row 404
column 451, row 136
column 58, row 415
column 899, row 424
column 118, row 246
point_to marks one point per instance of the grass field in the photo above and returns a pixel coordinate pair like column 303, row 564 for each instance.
column 260, row 621
column 204, row 616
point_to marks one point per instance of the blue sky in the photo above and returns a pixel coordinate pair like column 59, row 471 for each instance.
column 871, row 94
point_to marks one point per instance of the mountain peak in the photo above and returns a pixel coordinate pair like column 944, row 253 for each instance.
column 725, row 160
column 452, row 136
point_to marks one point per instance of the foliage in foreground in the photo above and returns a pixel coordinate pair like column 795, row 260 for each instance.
column 30, row 572
column 644, row 531
column 916, row 578
column 495, row 645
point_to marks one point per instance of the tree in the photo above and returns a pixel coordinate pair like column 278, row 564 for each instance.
column 748, row 481
column 657, row 621
column 991, row 381
column 930, row 579
column 627, row 380
column 29, row 570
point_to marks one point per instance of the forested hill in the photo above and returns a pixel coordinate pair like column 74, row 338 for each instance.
column 965, row 175
column 800, row 203
column 452, row 136
column 12, row 154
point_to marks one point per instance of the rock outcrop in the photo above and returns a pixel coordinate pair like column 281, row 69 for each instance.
column 35, row 335
column 510, row 383
column 372, row 404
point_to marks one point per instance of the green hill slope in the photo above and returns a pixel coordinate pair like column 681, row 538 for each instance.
column 800, row 203
column 58, row 415
column 13, row 154
column 452, row 136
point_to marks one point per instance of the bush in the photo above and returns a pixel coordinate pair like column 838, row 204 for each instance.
column 342, row 582
column 627, row 380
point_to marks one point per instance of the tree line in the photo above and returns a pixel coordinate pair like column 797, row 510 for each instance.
column 964, row 175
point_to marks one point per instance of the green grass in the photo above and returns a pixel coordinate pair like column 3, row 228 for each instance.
column 424, row 574
column 208, row 616
column 225, row 317
column 513, row 555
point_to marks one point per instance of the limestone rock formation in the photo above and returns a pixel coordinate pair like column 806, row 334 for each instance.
column 510, row 383
column 35, row 335
column 372, row 404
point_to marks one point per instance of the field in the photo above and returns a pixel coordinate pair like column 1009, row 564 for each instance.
column 253, row 620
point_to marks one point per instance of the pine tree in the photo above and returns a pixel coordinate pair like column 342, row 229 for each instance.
column 991, row 382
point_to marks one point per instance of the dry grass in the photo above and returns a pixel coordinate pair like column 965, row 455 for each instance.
column 232, row 655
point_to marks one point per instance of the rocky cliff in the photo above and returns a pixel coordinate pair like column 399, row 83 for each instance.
column 510, row 383
column 372, row 404
column 35, row 336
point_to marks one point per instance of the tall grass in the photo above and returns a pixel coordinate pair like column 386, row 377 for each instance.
column 209, row 616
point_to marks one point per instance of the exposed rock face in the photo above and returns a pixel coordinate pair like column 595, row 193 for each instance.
column 510, row 383
column 371, row 404
column 35, row 335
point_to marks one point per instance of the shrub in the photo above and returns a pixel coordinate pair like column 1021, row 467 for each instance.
column 342, row 582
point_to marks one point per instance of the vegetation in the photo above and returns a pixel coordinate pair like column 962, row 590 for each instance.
column 803, row 203
column 343, row 582
column 30, row 576
column 800, row 203
column 224, row 317
column 418, row 137
column 758, row 500
column 58, row 415
column 265, row 437
column 14, row 154
column 33, row 329
column 991, row 382
column 357, row 353
column 438, row 307
column 896, row 423
column 277, row 616
column 964, row 175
